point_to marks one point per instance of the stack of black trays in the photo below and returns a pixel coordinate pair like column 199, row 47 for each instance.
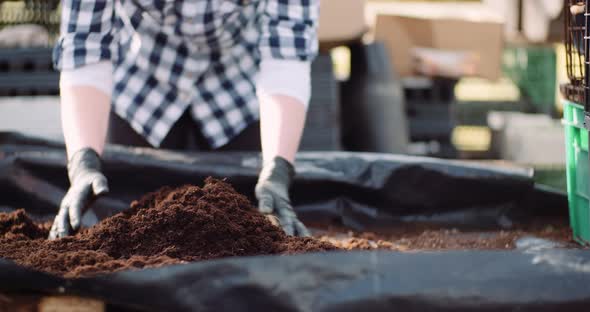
column 430, row 107
column 29, row 70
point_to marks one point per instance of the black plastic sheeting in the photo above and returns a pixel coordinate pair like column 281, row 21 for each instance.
column 360, row 190
column 354, row 281
column 357, row 189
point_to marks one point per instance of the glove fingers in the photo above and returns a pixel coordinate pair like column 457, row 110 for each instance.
column 100, row 185
column 265, row 204
column 61, row 226
column 53, row 231
column 287, row 216
column 287, row 225
column 78, row 205
column 300, row 229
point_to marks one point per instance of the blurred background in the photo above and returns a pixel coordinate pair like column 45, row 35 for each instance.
column 472, row 80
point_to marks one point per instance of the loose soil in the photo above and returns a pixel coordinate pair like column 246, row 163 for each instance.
column 415, row 237
column 190, row 223
column 169, row 226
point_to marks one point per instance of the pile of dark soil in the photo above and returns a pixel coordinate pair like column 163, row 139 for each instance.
column 169, row 226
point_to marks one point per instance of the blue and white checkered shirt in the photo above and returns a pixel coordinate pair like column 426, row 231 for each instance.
column 170, row 56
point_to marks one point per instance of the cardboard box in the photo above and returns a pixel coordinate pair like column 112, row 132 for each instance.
column 341, row 20
column 470, row 30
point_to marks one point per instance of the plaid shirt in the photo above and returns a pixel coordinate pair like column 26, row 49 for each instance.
column 170, row 56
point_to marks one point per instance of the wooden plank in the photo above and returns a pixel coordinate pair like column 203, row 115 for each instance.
column 9, row 303
column 70, row 304
column 40, row 303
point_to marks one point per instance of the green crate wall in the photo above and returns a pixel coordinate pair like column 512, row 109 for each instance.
column 577, row 171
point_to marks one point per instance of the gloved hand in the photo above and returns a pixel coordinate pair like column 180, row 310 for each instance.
column 272, row 192
column 86, row 184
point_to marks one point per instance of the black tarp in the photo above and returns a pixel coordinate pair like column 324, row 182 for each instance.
column 357, row 189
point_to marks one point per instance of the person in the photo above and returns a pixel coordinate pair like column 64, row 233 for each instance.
column 196, row 75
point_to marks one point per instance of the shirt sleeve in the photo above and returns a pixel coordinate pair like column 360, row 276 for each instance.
column 86, row 34
column 289, row 30
column 98, row 75
column 285, row 77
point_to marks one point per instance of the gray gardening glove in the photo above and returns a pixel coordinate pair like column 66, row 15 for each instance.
column 86, row 184
column 272, row 192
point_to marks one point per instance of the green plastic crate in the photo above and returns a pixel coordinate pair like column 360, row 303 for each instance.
column 576, row 137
